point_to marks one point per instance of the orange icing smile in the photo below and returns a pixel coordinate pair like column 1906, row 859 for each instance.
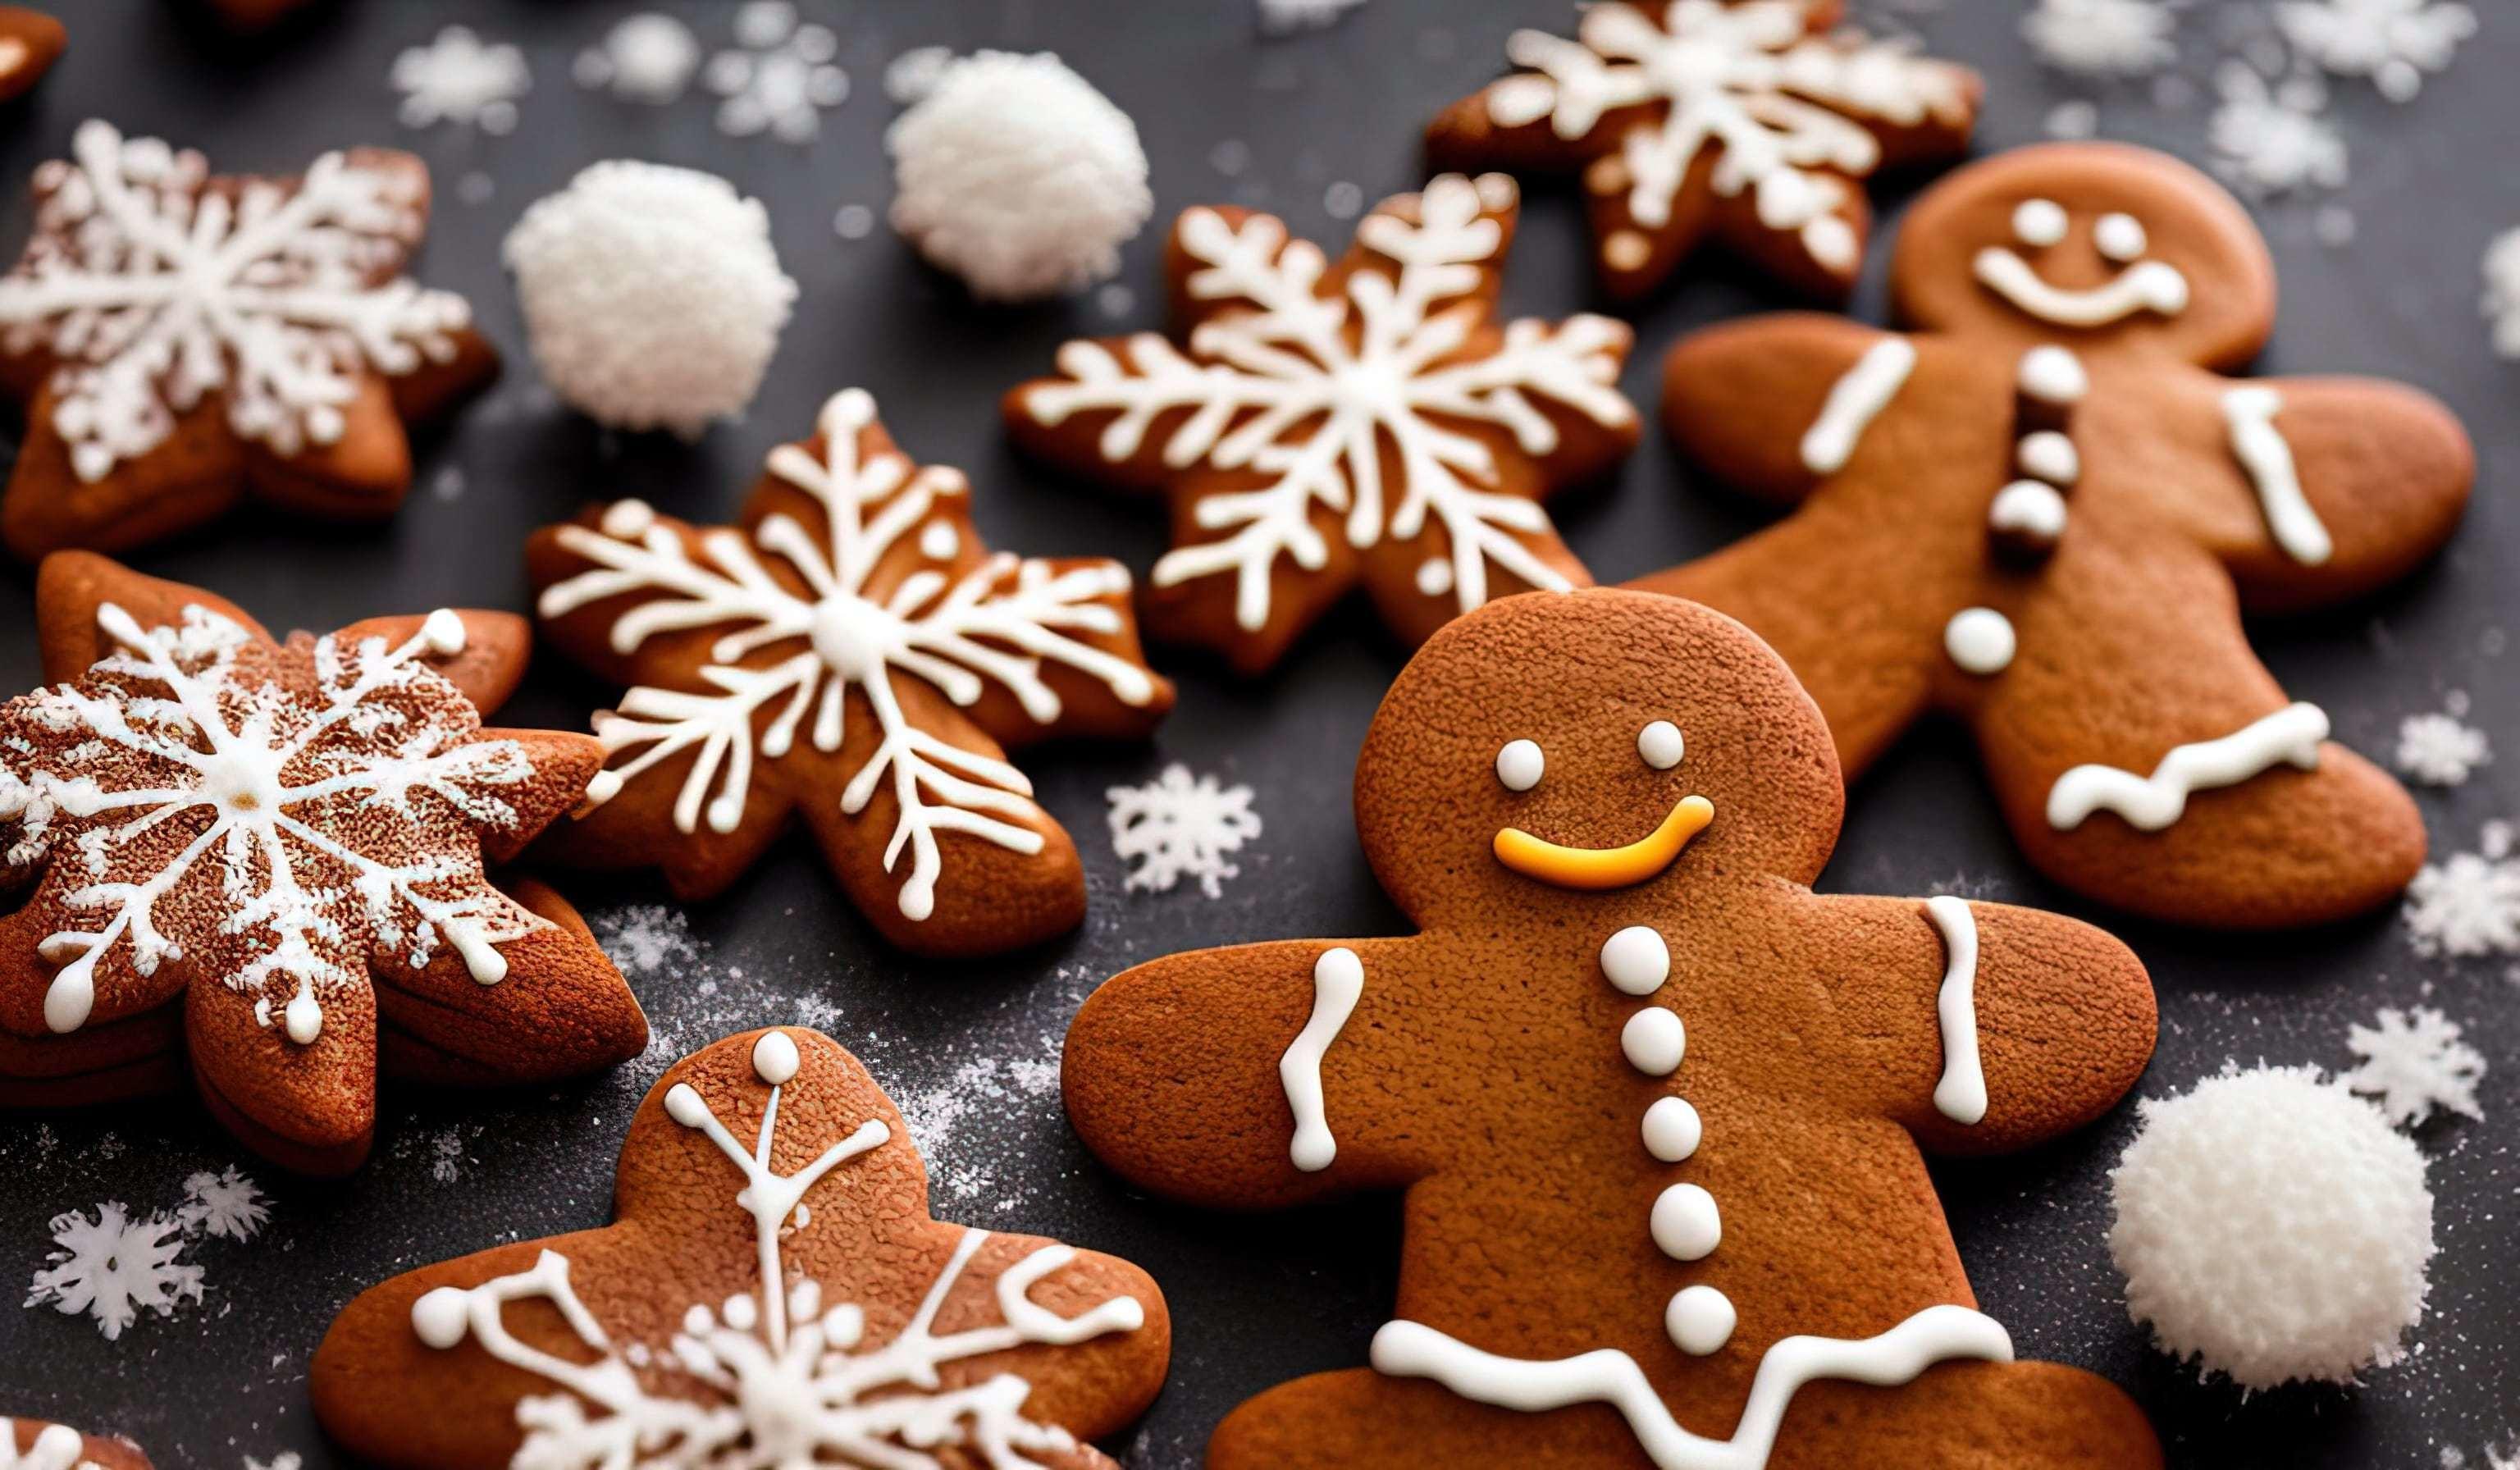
column 1605, row 866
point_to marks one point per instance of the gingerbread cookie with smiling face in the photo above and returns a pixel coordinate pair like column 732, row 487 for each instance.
column 1659, row 1109
column 1751, row 124
column 2045, row 512
column 267, row 857
column 184, row 341
column 772, row 1293
column 29, row 1444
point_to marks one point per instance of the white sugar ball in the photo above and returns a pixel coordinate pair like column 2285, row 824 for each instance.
column 651, row 296
column 1013, row 173
column 2273, row 1227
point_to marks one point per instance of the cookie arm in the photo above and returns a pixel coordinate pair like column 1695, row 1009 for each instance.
column 1774, row 405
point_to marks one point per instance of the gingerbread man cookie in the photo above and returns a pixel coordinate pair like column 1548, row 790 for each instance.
column 268, row 857
column 772, row 1293
column 31, row 41
column 850, row 653
column 2044, row 513
column 28, row 1445
column 184, row 341
column 1660, row 1110
column 1330, row 424
column 1752, row 125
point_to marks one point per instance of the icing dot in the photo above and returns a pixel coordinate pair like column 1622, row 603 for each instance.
column 304, row 1018
column 939, row 541
column 2120, row 236
column 1831, row 242
column 1434, row 577
column 2039, row 222
column 1626, row 251
column 1609, row 174
column 2052, row 375
column 1653, row 1041
column 1519, row 764
column 685, row 1105
column 1672, row 1130
column 2049, row 456
column 1636, row 960
column 1660, row 745
column 2029, row 508
column 1699, row 1319
column 1980, row 639
column 740, row 1313
column 1685, row 1225
column 440, row 1316
column 774, row 1057
column 442, row 632
column 628, row 519
column 602, row 788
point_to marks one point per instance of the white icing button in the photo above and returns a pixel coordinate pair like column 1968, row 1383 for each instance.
column 1685, row 1225
column 1672, row 1130
column 1661, row 745
column 2039, row 222
column 441, row 1317
column 1980, row 639
column 775, row 1059
column 1434, row 577
column 2052, row 375
column 2120, row 236
column 939, row 541
column 1654, row 1042
column 2029, row 508
column 2050, row 456
column 1519, row 764
column 1699, row 1319
column 1636, row 960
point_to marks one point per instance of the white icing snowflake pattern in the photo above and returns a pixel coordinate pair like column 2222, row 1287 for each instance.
column 264, row 831
column 225, row 1205
column 113, row 1267
column 797, row 1382
column 1308, row 391
column 155, row 290
column 993, row 625
column 2414, row 1062
column 456, row 78
column 2393, row 42
column 1174, row 828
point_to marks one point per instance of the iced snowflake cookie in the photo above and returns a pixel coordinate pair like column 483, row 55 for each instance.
column 772, row 1293
column 1751, row 124
column 25, row 1444
column 2043, row 513
column 184, row 341
column 849, row 653
column 31, row 41
column 1660, row 1110
column 1365, row 420
column 267, row 858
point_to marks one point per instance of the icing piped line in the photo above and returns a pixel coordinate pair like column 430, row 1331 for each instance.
column 1338, row 979
column 1961, row 1095
column 2146, row 286
column 2292, row 734
column 1607, row 1376
column 2267, row 456
column 1855, row 401
column 56, row 1448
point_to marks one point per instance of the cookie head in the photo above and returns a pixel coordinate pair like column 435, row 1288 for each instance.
column 2091, row 245
column 1558, row 747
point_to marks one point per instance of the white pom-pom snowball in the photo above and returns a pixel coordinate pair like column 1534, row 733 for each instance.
column 1013, row 173
column 653, row 299
column 2273, row 1227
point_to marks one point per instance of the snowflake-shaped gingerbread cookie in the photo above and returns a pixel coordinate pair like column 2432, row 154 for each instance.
column 852, row 653
column 773, row 1294
column 287, row 838
column 1331, row 423
column 185, row 340
column 1751, row 123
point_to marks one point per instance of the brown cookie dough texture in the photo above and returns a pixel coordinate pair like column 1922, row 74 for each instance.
column 2043, row 512
column 31, row 41
column 1328, row 424
column 266, row 857
column 1753, row 126
column 184, row 341
column 1660, row 1110
column 36, row 1445
column 772, row 1291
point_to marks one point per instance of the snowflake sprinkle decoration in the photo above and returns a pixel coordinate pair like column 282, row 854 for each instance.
column 1174, row 828
column 457, row 78
column 115, row 1266
column 2413, row 1063
column 2393, row 42
column 2103, row 37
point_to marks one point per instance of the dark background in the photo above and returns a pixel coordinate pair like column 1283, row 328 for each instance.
column 968, row 1048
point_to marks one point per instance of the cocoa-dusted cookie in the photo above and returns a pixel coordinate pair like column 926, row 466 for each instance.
column 1366, row 421
column 2045, row 512
column 29, row 1444
column 268, row 857
column 31, row 41
column 183, row 341
column 849, row 653
column 1660, row 1110
column 772, row 1293
column 1753, row 126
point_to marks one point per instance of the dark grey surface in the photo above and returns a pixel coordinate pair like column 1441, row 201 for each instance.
column 1253, row 1301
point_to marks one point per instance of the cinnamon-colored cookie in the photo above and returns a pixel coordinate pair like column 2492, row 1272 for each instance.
column 27, row 1444
column 31, row 41
column 1660, row 1110
column 267, row 857
column 1330, row 424
column 1752, row 125
column 852, row 655
column 772, row 1292
column 183, row 341
column 2045, row 511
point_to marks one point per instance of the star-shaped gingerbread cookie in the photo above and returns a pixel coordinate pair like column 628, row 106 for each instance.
column 771, row 1294
column 30, row 1445
column 184, row 341
column 1366, row 421
column 267, row 857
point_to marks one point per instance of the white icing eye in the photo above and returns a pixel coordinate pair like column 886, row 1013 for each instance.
column 2120, row 236
column 1519, row 764
column 1661, row 745
column 2039, row 222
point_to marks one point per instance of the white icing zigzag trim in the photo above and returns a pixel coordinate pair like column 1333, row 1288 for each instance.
column 1855, row 401
column 2265, row 453
column 2150, row 803
column 1961, row 1094
column 1338, row 980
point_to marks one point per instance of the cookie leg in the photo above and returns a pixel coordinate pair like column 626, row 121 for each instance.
column 1360, row 1419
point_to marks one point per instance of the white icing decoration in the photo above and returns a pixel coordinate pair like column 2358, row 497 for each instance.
column 1653, row 1041
column 1780, row 104
column 1434, row 577
column 2120, row 238
column 1672, row 1130
column 1980, row 639
column 2031, row 510
column 1685, row 1225
column 2053, row 375
column 1661, row 745
column 1701, row 1319
column 2264, row 453
column 938, row 541
column 153, row 293
column 2039, row 223
column 993, row 625
column 775, row 1058
column 1961, row 1094
column 2154, row 286
column 774, row 1379
column 1854, row 401
column 1338, row 980
column 1607, row 1376
column 1311, row 395
column 2290, row 735
column 56, row 1448
column 1519, row 764
column 1636, row 960
column 2050, row 456
column 323, row 825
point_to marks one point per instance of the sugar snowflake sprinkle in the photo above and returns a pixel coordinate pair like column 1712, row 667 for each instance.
column 1174, row 828
column 2501, row 301
column 2413, row 1063
column 2103, row 37
column 2469, row 904
column 225, row 1204
column 2273, row 139
column 2442, row 750
column 113, row 1267
column 2393, row 42
column 456, row 78
column 778, row 77
column 647, row 58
